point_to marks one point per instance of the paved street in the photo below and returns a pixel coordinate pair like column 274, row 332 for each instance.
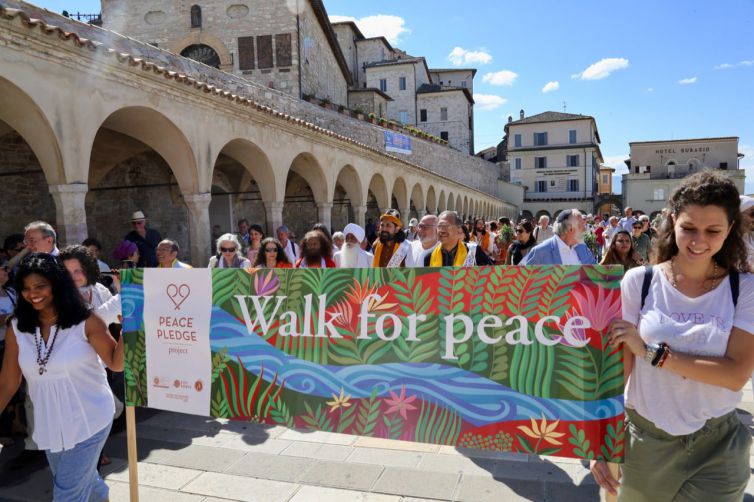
column 184, row 458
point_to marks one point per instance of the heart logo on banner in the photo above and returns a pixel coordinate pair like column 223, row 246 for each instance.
column 178, row 294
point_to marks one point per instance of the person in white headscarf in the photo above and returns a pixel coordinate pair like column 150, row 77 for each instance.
column 351, row 255
column 747, row 213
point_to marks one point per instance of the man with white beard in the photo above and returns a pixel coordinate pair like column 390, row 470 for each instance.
column 351, row 255
column 426, row 239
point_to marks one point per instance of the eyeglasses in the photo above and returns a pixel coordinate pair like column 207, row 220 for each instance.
column 422, row 226
column 137, row 223
column 622, row 241
column 519, row 230
column 270, row 250
column 227, row 250
column 637, row 227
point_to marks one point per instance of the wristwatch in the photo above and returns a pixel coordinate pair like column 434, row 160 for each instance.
column 651, row 350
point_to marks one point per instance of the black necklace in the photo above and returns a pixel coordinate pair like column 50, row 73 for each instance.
column 42, row 361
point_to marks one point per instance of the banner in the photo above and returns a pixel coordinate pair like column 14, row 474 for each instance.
column 511, row 359
column 397, row 143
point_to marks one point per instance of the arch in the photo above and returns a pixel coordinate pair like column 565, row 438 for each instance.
column 612, row 199
column 308, row 167
column 417, row 198
column 458, row 205
column 431, row 200
column 378, row 188
column 526, row 214
column 349, row 179
column 400, row 194
column 441, row 202
column 203, row 38
column 21, row 113
column 202, row 53
column 451, row 203
column 159, row 133
column 541, row 213
column 465, row 207
column 255, row 163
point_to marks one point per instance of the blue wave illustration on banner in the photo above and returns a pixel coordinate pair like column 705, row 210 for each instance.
column 477, row 399
column 132, row 306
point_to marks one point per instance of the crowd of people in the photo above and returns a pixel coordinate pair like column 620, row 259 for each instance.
column 685, row 329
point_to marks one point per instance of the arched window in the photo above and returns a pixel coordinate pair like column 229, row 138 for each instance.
column 196, row 16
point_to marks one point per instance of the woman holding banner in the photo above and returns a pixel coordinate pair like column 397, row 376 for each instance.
column 59, row 345
column 688, row 338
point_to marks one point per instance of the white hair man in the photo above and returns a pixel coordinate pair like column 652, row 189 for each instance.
column 292, row 250
column 40, row 237
column 351, row 255
column 338, row 238
column 566, row 247
column 426, row 239
column 543, row 230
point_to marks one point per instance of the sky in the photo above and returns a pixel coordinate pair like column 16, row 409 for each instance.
column 645, row 70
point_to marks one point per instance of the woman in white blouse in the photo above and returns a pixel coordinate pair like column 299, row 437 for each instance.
column 688, row 338
column 58, row 344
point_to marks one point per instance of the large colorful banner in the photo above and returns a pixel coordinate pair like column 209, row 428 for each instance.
column 508, row 359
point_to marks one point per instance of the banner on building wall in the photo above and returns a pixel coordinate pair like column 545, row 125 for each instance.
column 508, row 359
column 397, row 143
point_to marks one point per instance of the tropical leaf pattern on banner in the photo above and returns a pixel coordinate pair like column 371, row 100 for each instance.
column 493, row 358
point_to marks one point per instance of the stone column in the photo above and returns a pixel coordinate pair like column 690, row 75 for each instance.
column 422, row 213
column 274, row 210
column 200, row 230
column 324, row 214
column 360, row 215
column 405, row 211
column 70, row 212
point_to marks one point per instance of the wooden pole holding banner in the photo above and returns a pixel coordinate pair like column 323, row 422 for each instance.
column 615, row 472
column 133, row 461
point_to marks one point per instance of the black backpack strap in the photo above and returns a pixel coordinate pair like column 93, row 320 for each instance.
column 733, row 277
column 646, row 284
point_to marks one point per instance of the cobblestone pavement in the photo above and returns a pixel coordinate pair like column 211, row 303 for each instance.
column 184, row 458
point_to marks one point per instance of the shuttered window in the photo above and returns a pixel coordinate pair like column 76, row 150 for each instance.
column 264, row 51
column 246, row 53
column 283, row 54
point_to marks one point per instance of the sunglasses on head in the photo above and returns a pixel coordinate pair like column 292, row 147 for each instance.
column 227, row 250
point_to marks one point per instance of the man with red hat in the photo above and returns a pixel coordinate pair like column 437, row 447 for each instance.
column 392, row 249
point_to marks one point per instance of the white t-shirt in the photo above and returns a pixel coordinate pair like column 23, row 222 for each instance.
column 699, row 326
column 419, row 253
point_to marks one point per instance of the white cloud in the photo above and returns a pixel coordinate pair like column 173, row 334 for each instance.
column 687, row 81
column 380, row 25
column 488, row 101
column 617, row 162
column 728, row 66
column 602, row 69
column 551, row 86
column 460, row 56
column 504, row 77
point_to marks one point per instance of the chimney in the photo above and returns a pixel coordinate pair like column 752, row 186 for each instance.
column 521, row 113
column 510, row 118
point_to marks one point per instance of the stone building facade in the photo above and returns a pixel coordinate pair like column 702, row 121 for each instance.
column 280, row 44
column 193, row 146
column 656, row 168
column 556, row 157
column 377, row 66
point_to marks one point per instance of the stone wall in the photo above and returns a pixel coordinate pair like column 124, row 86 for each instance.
column 457, row 123
column 403, row 100
column 320, row 73
column 454, row 165
column 23, row 187
column 371, row 50
column 142, row 183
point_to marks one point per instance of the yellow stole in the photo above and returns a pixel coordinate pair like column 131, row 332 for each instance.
column 378, row 253
column 435, row 259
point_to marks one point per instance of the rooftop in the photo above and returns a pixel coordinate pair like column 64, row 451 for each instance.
column 432, row 88
column 551, row 117
column 692, row 140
